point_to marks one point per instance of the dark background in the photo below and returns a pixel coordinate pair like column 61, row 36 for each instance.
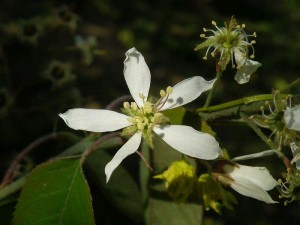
column 43, row 72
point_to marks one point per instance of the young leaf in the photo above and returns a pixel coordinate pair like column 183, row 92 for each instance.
column 55, row 193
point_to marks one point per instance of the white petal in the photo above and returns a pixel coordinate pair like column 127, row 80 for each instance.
column 137, row 75
column 189, row 141
column 296, row 155
column 245, row 71
column 250, row 189
column 127, row 149
column 255, row 155
column 257, row 175
column 94, row 120
column 187, row 91
column 292, row 118
column 239, row 57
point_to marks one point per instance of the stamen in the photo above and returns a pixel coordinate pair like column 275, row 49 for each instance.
column 263, row 113
column 215, row 25
column 162, row 93
column 126, row 105
column 205, row 57
column 258, row 123
column 134, row 106
column 271, row 110
column 274, row 100
column 169, row 90
column 142, row 96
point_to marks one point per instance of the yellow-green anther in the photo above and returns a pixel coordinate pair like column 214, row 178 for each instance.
column 134, row 106
column 169, row 90
column 140, row 126
column 131, row 120
column 126, row 105
column 147, row 107
column 162, row 93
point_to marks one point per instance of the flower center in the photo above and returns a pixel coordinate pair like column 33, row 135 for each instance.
column 225, row 41
column 145, row 118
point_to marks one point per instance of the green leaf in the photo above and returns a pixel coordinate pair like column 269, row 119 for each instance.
column 175, row 115
column 163, row 155
column 122, row 191
column 168, row 212
column 55, row 193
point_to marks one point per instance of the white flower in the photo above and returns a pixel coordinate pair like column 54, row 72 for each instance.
column 292, row 118
column 250, row 181
column 231, row 43
column 143, row 118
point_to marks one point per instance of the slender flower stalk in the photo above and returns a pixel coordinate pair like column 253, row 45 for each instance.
column 212, row 91
column 142, row 118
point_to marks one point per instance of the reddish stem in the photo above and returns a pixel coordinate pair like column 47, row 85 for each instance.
column 10, row 172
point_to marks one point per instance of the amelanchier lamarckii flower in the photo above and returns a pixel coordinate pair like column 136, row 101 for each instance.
column 142, row 118
column 230, row 43
column 250, row 181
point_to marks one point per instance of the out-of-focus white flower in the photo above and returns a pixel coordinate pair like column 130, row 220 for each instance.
column 141, row 118
column 230, row 43
column 250, row 181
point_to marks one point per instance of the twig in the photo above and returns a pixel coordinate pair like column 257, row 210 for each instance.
column 12, row 188
column 9, row 175
column 118, row 101
column 93, row 146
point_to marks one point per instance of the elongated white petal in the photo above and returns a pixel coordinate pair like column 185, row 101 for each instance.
column 127, row 149
column 257, row 175
column 248, row 188
column 245, row 71
column 137, row 75
column 256, row 155
column 292, row 118
column 95, row 120
column 296, row 155
column 187, row 91
column 189, row 141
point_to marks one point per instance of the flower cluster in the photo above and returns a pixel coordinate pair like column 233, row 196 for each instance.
column 230, row 43
column 142, row 118
column 283, row 121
